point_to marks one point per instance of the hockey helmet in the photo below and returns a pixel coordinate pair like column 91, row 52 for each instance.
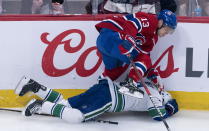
column 166, row 96
column 169, row 18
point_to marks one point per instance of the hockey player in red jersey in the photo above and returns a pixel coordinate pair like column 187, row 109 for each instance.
column 134, row 35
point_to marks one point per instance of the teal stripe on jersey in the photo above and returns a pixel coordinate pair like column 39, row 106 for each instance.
column 154, row 113
column 97, row 112
column 116, row 98
column 120, row 101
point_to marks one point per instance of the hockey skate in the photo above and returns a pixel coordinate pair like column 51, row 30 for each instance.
column 26, row 85
column 34, row 106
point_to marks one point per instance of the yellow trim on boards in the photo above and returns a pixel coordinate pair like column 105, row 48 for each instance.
column 8, row 99
column 186, row 100
column 192, row 100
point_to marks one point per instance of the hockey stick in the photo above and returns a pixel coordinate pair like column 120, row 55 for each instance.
column 13, row 110
column 99, row 121
column 104, row 121
column 148, row 93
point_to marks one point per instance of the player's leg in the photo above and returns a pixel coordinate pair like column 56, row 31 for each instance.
column 60, row 110
column 94, row 102
column 83, row 107
column 26, row 85
column 108, row 45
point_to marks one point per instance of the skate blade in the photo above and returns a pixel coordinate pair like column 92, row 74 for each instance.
column 125, row 91
column 24, row 80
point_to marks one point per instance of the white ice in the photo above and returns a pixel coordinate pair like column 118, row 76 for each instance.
column 128, row 121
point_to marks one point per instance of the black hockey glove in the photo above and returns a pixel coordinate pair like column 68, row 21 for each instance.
column 171, row 107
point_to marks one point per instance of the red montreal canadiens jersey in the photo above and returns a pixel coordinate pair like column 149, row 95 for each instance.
column 141, row 26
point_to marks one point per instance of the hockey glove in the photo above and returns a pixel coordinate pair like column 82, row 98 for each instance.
column 171, row 107
column 155, row 78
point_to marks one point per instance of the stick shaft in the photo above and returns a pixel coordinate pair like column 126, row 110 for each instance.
column 16, row 110
column 148, row 93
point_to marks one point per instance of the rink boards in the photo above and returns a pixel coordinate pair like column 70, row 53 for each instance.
column 60, row 53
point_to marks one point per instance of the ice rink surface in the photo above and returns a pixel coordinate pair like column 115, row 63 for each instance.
column 128, row 121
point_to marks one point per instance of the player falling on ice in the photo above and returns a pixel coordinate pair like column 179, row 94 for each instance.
column 100, row 98
column 133, row 35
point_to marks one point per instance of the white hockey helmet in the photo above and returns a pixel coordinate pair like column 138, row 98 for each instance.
column 165, row 96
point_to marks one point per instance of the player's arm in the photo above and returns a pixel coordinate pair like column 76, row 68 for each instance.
column 169, row 109
column 133, row 41
column 142, row 63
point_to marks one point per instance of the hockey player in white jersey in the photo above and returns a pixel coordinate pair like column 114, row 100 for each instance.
column 100, row 98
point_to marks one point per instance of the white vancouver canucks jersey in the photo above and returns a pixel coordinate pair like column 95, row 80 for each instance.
column 121, row 102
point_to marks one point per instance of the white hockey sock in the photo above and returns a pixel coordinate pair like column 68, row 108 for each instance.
column 66, row 113
column 49, row 95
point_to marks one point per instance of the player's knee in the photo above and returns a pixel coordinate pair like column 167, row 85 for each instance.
column 72, row 115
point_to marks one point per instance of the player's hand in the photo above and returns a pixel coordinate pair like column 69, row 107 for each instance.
column 154, row 77
column 171, row 107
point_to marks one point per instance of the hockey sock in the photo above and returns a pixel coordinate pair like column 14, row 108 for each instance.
column 49, row 95
column 66, row 113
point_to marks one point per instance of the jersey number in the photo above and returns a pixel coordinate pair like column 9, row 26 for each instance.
column 145, row 22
